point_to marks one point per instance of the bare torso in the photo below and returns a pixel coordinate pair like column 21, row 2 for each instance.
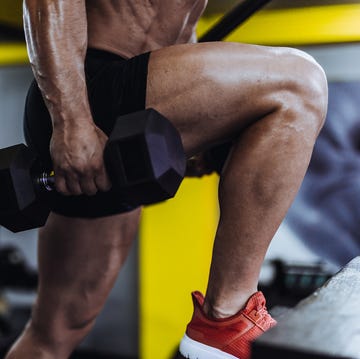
column 58, row 34
column 131, row 27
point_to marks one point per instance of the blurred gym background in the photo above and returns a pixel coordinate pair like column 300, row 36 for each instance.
column 150, row 305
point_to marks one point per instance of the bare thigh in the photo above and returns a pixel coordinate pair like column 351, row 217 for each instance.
column 212, row 91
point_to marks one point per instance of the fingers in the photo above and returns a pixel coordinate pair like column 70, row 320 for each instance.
column 61, row 185
column 70, row 184
column 102, row 181
column 77, row 156
column 67, row 185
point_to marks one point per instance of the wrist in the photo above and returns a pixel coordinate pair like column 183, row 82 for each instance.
column 67, row 105
column 71, row 116
column 62, row 121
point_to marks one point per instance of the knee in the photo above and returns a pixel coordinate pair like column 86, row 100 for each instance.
column 62, row 327
column 305, row 91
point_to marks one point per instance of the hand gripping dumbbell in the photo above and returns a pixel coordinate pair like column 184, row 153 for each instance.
column 144, row 158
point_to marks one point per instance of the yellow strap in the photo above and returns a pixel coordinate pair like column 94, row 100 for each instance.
column 294, row 27
column 13, row 54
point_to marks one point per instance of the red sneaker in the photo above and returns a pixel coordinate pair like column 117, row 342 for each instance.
column 228, row 338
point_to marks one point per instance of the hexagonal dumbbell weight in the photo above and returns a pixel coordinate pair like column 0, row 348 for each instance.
column 144, row 157
column 149, row 155
column 20, row 205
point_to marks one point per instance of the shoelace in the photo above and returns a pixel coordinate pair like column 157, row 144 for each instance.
column 265, row 320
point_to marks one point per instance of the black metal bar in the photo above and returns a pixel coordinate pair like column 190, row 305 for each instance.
column 11, row 33
column 239, row 14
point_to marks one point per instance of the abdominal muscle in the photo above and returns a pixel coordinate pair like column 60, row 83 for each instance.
column 132, row 27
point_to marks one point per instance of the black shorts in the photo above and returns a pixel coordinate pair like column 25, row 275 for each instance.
column 116, row 86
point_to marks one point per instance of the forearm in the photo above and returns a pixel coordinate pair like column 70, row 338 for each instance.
column 56, row 37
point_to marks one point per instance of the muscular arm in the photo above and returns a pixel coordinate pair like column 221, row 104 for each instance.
column 56, row 37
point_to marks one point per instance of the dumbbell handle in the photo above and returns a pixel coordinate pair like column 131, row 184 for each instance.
column 46, row 181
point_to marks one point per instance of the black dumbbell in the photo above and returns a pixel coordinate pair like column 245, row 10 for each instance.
column 144, row 157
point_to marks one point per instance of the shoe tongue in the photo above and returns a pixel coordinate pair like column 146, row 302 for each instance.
column 198, row 298
column 256, row 301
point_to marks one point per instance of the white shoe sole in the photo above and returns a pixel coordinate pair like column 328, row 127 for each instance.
column 192, row 349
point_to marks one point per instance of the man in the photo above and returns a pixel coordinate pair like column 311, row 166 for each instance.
column 96, row 59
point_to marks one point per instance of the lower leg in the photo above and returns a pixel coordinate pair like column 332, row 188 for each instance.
column 273, row 101
column 257, row 186
column 270, row 102
column 79, row 261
